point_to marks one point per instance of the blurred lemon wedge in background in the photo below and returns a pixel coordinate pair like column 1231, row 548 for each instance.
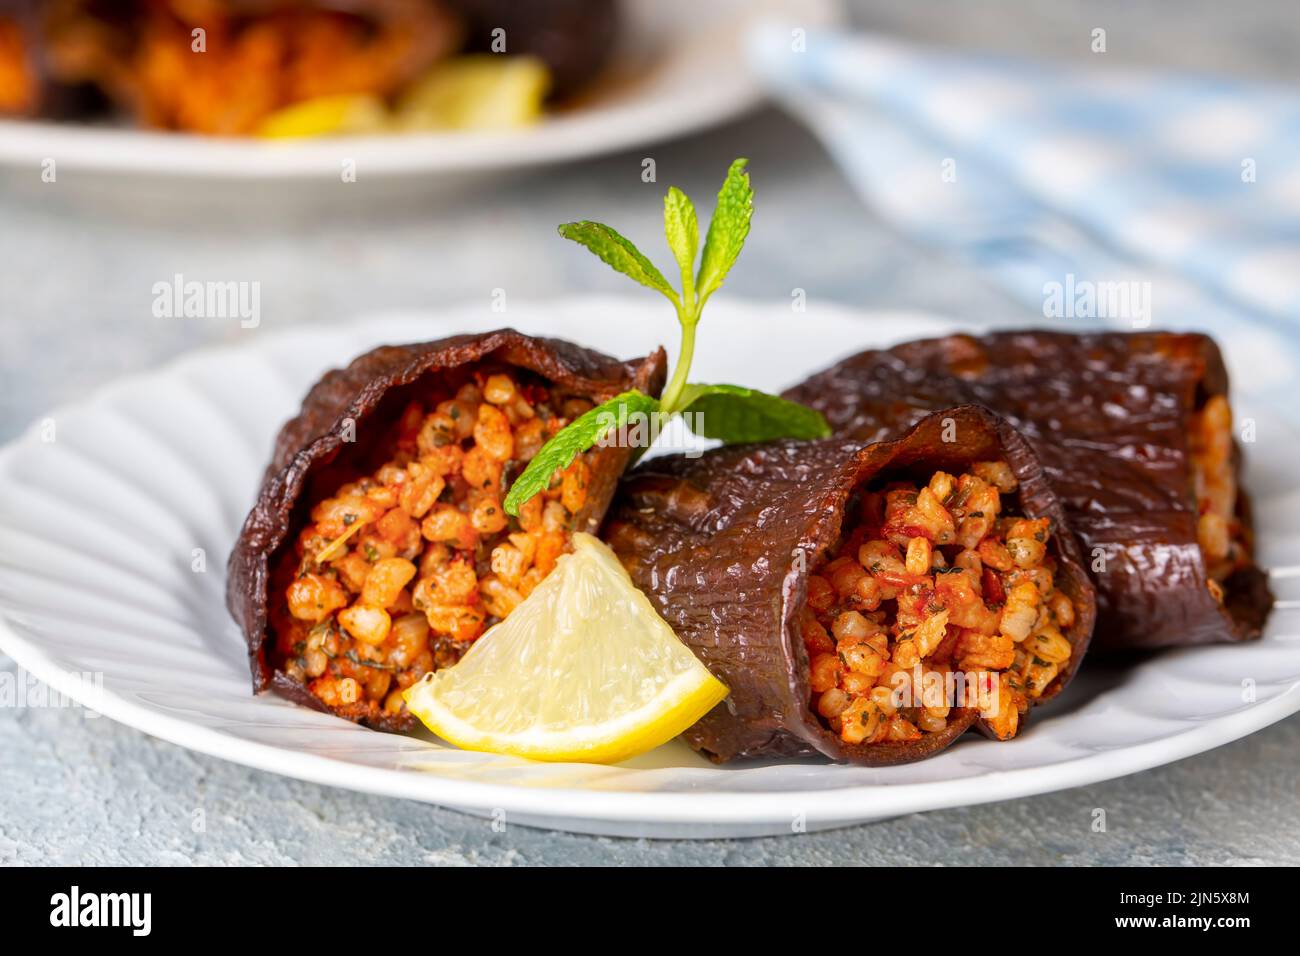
column 483, row 92
column 326, row 116
column 584, row 670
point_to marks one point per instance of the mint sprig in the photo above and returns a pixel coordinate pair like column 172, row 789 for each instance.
column 727, row 230
column 683, row 232
column 576, row 437
column 735, row 414
column 727, row 412
column 618, row 253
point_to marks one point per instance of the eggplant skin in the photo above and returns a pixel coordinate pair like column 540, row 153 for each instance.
column 723, row 545
column 373, row 387
column 1108, row 414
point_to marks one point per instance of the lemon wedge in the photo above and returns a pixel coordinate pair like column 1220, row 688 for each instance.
column 326, row 116
column 584, row 670
column 484, row 92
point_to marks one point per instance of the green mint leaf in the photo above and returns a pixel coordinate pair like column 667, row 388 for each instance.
column 736, row 415
column 683, row 232
column 727, row 230
column 618, row 253
column 575, row 438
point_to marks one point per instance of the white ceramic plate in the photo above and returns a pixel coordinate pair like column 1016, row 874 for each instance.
column 680, row 67
column 99, row 526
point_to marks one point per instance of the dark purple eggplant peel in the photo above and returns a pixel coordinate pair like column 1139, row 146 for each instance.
column 1110, row 416
column 359, row 400
column 723, row 544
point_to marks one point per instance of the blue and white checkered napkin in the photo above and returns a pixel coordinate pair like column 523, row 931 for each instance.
column 1047, row 176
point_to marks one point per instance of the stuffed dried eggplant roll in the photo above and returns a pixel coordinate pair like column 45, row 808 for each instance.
column 865, row 603
column 1135, row 434
column 378, row 549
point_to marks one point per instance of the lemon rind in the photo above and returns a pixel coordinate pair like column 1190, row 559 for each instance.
column 691, row 695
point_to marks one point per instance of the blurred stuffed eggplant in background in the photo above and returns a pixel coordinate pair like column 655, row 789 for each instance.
column 292, row 68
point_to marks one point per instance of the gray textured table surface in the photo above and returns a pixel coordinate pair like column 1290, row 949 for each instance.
column 75, row 281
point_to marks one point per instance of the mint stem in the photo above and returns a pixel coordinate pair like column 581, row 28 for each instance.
column 673, row 393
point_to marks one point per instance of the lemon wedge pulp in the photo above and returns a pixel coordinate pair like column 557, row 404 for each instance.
column 584, row 669
column 477, row 92
column 326, row 116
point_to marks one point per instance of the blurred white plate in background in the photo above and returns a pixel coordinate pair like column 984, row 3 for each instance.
column 98, row 531
column 681, row 67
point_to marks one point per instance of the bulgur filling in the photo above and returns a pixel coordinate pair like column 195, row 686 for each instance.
column 399, row 570
column 1218, row 531
column 935, row 580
